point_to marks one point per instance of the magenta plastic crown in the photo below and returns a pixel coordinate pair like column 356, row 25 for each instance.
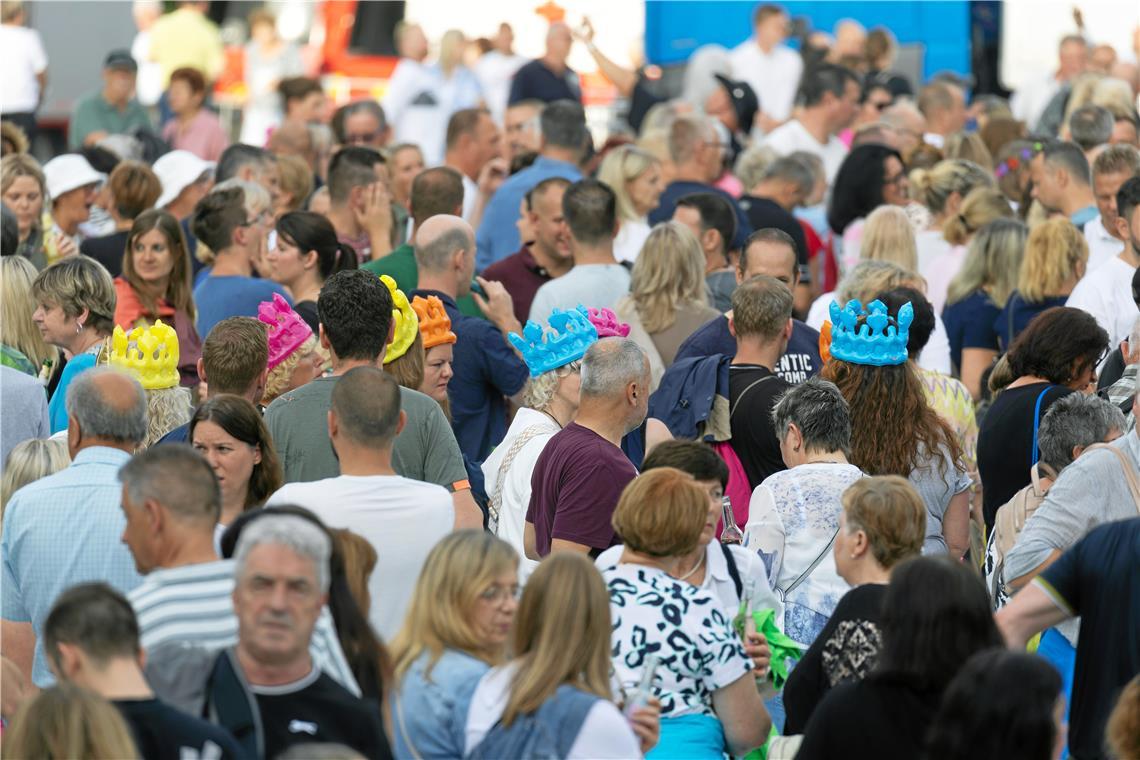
column 605, row 322
column 287, row 331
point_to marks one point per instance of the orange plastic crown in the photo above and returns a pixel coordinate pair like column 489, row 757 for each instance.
column 435, row 326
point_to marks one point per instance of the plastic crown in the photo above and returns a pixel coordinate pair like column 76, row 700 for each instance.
column 605, row 322
column 435, row 325
column 150, row 354
column 405, row 319
column 879, row 342
column 287, row 330
column 571, row 333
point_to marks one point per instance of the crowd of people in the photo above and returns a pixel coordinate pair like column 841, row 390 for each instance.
column 781, row 421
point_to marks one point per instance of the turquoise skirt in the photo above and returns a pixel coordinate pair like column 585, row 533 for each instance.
column 689, row 737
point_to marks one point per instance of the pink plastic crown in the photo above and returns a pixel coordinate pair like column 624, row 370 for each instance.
column 605, row 322
column 287, row 331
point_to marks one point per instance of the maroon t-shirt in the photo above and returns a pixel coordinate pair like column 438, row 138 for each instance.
column 522, row 276
column 575, row 486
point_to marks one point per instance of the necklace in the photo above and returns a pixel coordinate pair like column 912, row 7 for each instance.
column 552, row 418
column 696, row 567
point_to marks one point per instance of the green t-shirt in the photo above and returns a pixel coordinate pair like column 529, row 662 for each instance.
column 425, row 450
column 401, row 266
column 94, row 114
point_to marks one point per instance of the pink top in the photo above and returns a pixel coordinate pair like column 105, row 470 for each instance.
column 203, row 136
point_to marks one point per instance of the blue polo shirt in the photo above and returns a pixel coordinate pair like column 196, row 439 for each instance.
column 678, row 189
column 498, row 237
column 1084, row 216
column 486, row 370
column 219, row 298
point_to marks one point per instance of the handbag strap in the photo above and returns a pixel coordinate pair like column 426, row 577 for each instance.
column 733, row 571
column 1037, row 422
column 803, row 576
column 496, row 501
column 1129, row 471
column 404, row 729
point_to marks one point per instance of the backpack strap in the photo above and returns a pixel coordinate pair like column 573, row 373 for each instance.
column 1037, row 423
column 230, row 704
column 733, row 571
column 496, row 501
column 1130, row 476
column 744, row 393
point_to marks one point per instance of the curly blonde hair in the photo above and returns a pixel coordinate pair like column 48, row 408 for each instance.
column 1055, row 253
column 277, row 381
column 166, row 409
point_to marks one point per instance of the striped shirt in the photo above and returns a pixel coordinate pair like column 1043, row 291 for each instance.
column 193, row 605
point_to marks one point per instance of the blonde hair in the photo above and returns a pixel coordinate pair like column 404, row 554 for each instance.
column 167, row 408
column 296, row 180
column 668, row 275
column 29, row 461
column 621, row 166
column 969, row 146
column 933, row 187
column 1081, row 92
column 655, row 142
column 1054, row 253
column 277, row 381
column 17, row 330
column 451, row 50
column 888, row 235
column 557, row 643
column 1122, row 733
column 891, row 514
column 661, row 513
column 992, row 262
column 16, row 165
column 457, row 570
column 10, row 133
column 408, row 370
column 65, row 721
column 1116, row 96
column 752, row 164
column 870, row 278
column 980, row 207
column 540, row 390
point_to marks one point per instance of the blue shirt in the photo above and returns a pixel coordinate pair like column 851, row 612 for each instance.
column 430, row 711
column 57, row 408
column 1084, row 216
column 62, row 530
column 799, row 362
column 678, row 189
column 498, row 237
column 1018, row 313
column 219, row 298
column 486, row 370
column 970, row 324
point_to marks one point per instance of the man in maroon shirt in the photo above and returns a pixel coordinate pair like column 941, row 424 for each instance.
column 581, row 473
column 524, row 272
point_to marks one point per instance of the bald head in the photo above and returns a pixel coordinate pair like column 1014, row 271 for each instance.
column 850, row 36
column 106, row 405
column 445, row 246
column 558, row 41
column 365, row 408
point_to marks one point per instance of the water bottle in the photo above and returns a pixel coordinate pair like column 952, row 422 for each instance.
column 730, row 533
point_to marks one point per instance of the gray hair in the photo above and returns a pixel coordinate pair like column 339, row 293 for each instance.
column 793, row 169
column 96, row 417
column 177, row 477
column 292, row 532
column 610, row 365
column 563, row 124
column 257, row 198
column 821, row 413
column 1091, row 126
column 753, row 164
column 1076, row 420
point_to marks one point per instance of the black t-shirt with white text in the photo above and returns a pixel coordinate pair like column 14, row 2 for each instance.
column 753, row 391
column 163, row 733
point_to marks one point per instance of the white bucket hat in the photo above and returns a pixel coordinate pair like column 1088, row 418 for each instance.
column 68, row 172
column 176, row 170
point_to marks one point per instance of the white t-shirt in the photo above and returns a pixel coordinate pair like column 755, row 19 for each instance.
column 604, row 734
column 599, row 286
column 402, row 519
column 539, row 429
column 494, row 72
column 420, row 100
column 931, row 245
column 470, row 194
column 774, row 76
column 792, row 136
column 1106, row 293
column 1102, row 246
column 632, row 234
column 1031, row 98
column 24, row 57
column 939, row 270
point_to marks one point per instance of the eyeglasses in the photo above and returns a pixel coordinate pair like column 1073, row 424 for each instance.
column 898, row 179
column 265, row 216
column 499, row 594
column 364, row 138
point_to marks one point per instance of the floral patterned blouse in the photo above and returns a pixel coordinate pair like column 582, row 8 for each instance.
column 793, row 517
column 684, row 626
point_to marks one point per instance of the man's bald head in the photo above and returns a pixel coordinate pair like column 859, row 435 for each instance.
column 108, row 405
column 558, row 41
column 443, row 243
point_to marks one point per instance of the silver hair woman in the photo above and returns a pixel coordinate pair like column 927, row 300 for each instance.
column 28, row 462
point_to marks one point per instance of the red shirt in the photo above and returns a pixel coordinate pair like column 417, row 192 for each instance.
column 522, row 276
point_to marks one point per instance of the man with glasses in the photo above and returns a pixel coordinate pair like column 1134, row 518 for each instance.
column 233, row 220
column 361, row 123
column 698, row 157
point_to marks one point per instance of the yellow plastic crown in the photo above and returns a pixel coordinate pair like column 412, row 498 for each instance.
column 404, row 317
column 435, row 326
column 148, row 353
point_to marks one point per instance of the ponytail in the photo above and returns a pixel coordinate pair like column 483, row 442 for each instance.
column 346, row 259
column 313, row 232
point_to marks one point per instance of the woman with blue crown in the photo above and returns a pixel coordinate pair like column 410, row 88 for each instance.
column 554, row 357
column 894, row 431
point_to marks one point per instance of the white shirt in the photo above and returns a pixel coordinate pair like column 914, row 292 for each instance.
column 604, row 734
column 1102, row 246
column 1031, row 98
column 402, row 519
column 774, row 76
column 540, row 428
column 494, row 72
column 420, row 100
column 24, row 57
column 149, row 84
column 470, row 193
column 792, row 136
column 598, row 286
column 939, row 270
column 930, row 245
column 631, row 236
column 1106, row 293
column 935, row 139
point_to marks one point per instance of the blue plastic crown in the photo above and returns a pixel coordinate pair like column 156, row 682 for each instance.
column 879, row 342
column 543, row 351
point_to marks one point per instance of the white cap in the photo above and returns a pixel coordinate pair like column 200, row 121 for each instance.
column 177, row 170
column 68, row 172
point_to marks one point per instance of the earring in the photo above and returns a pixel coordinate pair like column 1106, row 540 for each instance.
column 78, row 327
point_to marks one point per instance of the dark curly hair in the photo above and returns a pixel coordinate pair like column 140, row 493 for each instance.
column 1060, row 344
column 858, row 188
column 355, row 310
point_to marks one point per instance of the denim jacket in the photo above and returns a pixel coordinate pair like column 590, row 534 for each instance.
column 430, row 712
